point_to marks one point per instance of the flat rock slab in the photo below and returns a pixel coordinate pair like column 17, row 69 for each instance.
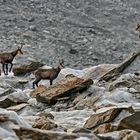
column 17, row 107
column 101, row 118
column 70, row 84
column 102, row 122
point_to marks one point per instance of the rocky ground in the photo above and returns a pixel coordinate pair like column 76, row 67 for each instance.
column 95, row 103
column 83, row 33
column 97, row 95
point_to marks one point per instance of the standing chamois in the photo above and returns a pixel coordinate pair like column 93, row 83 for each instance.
column 7, row 58
column 48, row 74
column 138, row 28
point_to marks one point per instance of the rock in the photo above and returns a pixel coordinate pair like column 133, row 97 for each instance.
column 119, row 96
column 126, row 80
column 119, row 68
column 96, row 71
column 3, row 118
column 129, row 135
column 33, row 28
column 131, row 122
column 107, row 121
column 17, row 107
column 101, row 118
column 121, row 135
column 65, row 87
column 46, row 114
column 44, row 123
column 133, row 67
column 6, row 102
column 104, row 128
column 81, row 130
column 38, row 90
column 13, row 99
column 7, row 133
column 22, row 83
column 73, row 51
column 32, row 101
column 4, row 92
column 8, row 121
column 37, row 134
column 13, row 117
column 26, row 68
column 80, row 101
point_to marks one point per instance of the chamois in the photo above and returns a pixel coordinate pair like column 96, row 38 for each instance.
column 7, row 58
column 138, row 28
column 48, row 74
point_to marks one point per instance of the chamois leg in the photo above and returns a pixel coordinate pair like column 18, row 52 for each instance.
column 3, row 68
column 11, row 67
column 51, row 81
column 6, row 69
column 36, row 82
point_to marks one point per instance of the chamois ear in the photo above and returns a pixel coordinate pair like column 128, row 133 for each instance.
column 138, row 25
column 61, row 61
column 21, row 45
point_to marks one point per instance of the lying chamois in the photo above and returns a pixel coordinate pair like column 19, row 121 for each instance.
column 7, row 58
column 48, row 74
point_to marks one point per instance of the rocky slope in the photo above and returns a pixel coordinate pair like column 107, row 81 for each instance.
column 96, row 103
column 83, row 33
column 89, row 100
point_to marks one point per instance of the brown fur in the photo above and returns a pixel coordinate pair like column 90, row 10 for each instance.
column 138, row 28
column 48, row 74
column 7, row 58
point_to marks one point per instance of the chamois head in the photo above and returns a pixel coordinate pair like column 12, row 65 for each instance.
column 138, row 28
column 61, row 64
column 19, row 51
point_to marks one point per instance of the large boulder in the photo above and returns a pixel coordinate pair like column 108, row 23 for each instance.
column 66, row 87
column 26, row 68
column 96, row 71
column 107, row 121
column 101, row 118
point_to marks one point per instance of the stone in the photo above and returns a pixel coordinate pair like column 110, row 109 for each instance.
column 17, row 107
column 33, row 28
column 8, row 115
column 66, row 87
column 101, row 118
column 44, row 123
column 104, row 128
column 96, row 71
column 125, row 80
column 126, row 134
column 46, row 114
column 37, row 134
column 81, row 130
column 26, row 68
column 5, row 92
column 131, row 122
column 13, row 99
column 38, row 90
